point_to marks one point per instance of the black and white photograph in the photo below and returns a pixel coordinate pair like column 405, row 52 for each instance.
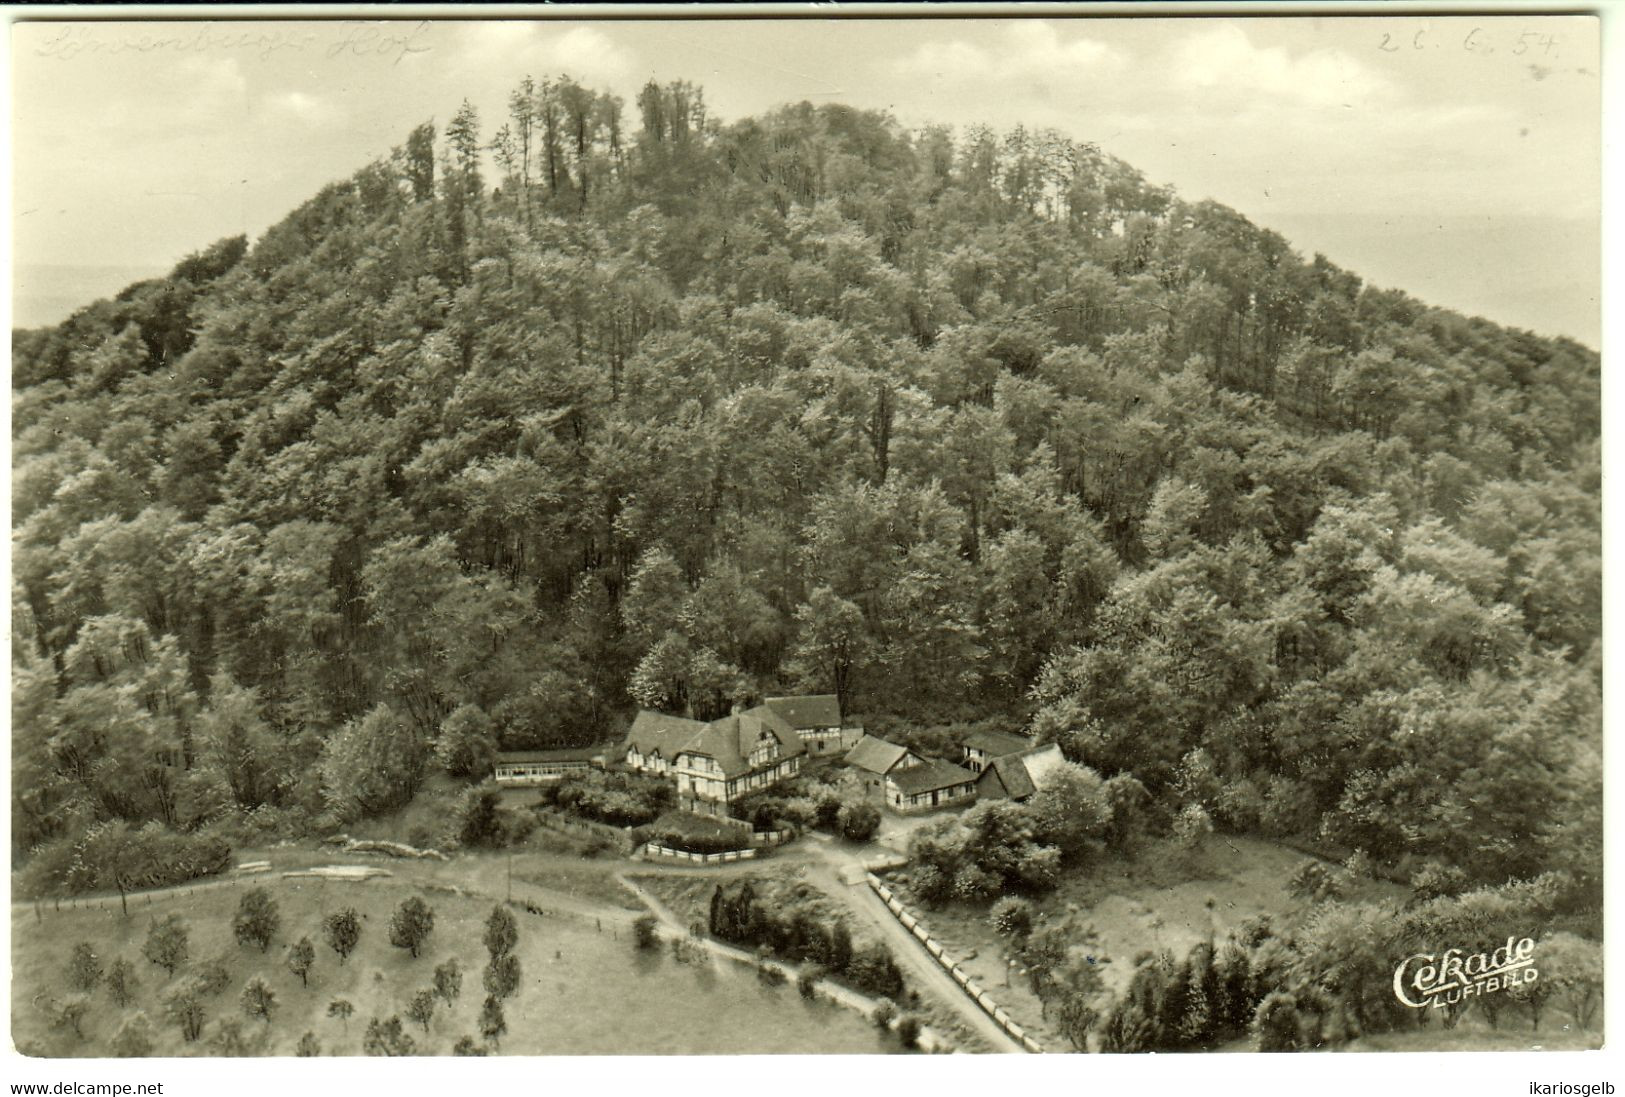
column 805, row 532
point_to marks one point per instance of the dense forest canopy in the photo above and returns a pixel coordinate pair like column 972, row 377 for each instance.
column 508, row 435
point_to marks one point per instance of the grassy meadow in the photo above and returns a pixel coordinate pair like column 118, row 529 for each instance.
column 584, row 988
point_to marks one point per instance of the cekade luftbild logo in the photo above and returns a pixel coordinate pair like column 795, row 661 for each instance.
column 1427, row 980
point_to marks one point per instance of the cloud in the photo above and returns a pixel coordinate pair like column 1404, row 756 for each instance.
column 1222, row 57
column 1029, row 52
column 212, row 77
column 194, row 93
column 302, row 107
column 540, row 49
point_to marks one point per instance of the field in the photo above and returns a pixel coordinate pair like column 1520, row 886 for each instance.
column 584, row 989
column 1160, row 898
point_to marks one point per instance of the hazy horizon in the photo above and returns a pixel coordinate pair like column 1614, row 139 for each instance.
column 1451, row 170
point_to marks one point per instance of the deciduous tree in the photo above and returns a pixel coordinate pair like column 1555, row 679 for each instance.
column 257, row 918
column 258, row 999
column 301, row 958
column 343, row 930
column 411, row 925
column 167, row 944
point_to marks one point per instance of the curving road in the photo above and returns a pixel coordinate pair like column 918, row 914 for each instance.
column 831, row 873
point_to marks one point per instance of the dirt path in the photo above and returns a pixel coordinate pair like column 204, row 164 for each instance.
column 481, row 877
column 831, row 876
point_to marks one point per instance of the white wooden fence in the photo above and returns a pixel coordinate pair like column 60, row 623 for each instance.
column 656, row 852
column 966, row 983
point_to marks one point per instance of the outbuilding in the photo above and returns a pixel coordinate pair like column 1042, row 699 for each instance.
column 536, row 767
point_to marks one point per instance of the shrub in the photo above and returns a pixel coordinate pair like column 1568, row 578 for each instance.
column 343, row 931
column 300, row 958
column 167, row 943
column 480, row 823
column 69, row 1013
column 493, row 1022
column 884, row 1013
column 502, row 975
column 1316, row 882
column 421, row 1008
column 1435, row 881
column 694, row 842
column 875, row 972
column 1286, row 807
column 184, row 1006
column 448, row 981
column 258, row 999
column 646, row 931
column 974, row 884
column 1192, row 827
column 1241, row 805
column 121, row 982
column 214, row 974
column 84, row 968
column 1011, row 917
column 800, row 812
column 466, row 746
column 797, row 934
column 827, row 810
column 166, row 857
column 618, row 799
column 984, row 851
column 387, row 1038
column 411, row 925
column 257, row 919
column 908, row 1030
column 807, row 980
column 342, row 1009
column 599, row 846
column 1358, row 867
column 858, row 821
column 1277, row 1025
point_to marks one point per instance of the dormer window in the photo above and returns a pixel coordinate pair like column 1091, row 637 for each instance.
column 767, row 749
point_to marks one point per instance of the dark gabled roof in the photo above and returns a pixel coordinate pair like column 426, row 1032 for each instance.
column 1020, row 775
column 875, row 755
column 930, row 775
column 652, row 731
column 997, row 743
column 822, row 710
column 1008, row 776
column 1043, row 763
column 731, row 739
column 559, row 754
column 728, row 740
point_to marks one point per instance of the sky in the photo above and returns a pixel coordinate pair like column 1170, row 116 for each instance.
column 1455, row 158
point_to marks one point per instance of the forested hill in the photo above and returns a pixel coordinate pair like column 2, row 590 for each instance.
column 512, row 433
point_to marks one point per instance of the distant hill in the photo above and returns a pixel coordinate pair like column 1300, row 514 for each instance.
column 47, row 293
